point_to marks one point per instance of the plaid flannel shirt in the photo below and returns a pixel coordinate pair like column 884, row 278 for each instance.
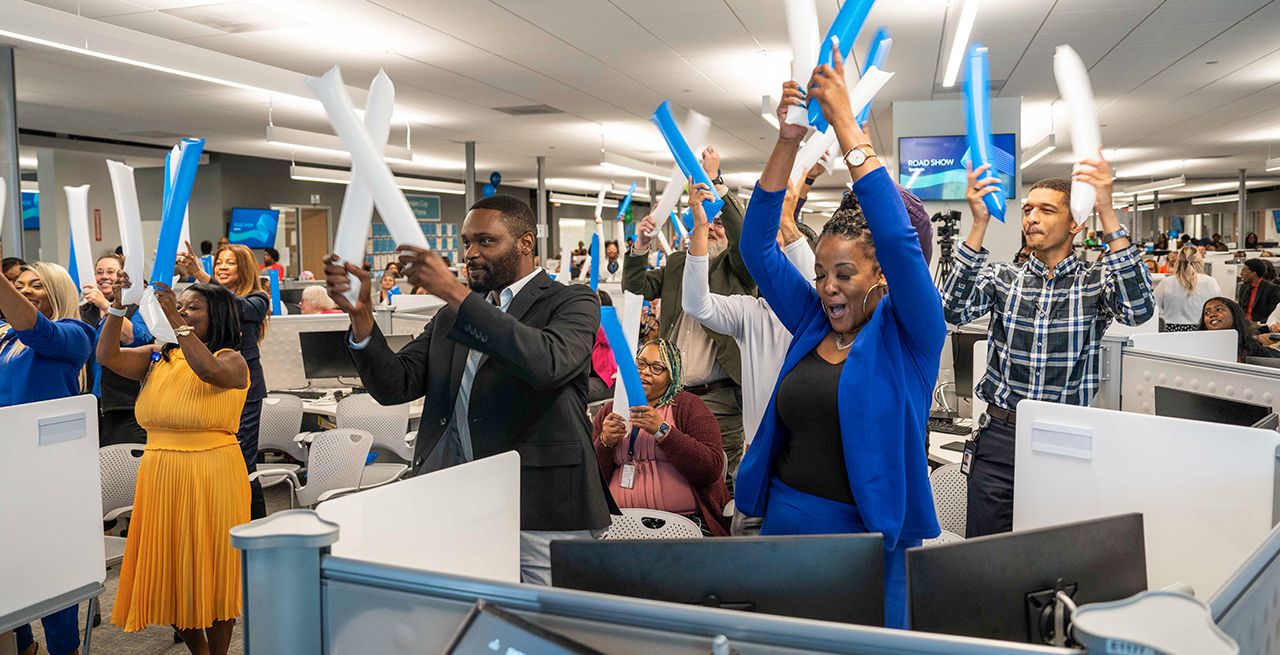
column 1045, row 336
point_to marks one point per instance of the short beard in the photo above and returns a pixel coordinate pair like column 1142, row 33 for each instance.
column 502, row 272
column 715, row 247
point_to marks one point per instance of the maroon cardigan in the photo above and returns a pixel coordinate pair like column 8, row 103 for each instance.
column 694, row 448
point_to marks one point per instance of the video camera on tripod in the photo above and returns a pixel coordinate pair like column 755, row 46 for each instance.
column 947, row 231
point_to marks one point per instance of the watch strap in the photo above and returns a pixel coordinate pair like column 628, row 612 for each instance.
column 1118, row 234
column 719, row 180
column 121, row 312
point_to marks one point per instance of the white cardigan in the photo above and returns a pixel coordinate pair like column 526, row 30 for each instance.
column 760, row 335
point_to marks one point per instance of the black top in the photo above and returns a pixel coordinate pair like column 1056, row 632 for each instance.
column 253, row 313
column 813, row 460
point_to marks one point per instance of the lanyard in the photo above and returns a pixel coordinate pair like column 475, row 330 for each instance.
column 631, row 444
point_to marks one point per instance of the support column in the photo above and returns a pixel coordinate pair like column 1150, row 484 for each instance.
column 9, row 168
column 1155, row 213
column 543, row 230
column 471, row 173
column 1240, row 210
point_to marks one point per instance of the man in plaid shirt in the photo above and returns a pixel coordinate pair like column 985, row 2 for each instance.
column 1048, row 317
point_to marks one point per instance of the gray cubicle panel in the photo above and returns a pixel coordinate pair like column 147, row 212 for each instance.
column 1143, row 370
column 1247, row 607
column 300, row 600
column 281, row 354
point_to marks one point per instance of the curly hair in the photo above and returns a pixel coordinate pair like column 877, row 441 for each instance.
column 848, row 222
column 670, row 355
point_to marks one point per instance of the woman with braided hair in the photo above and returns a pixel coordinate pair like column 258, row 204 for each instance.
column 672, row 458
column 841, row 445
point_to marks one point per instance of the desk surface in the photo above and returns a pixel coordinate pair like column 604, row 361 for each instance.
column 938, row 455
column 328, row 405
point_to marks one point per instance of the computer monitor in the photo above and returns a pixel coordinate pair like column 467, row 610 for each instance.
column 325, row 353
column 825, row 577
column 1002, row 586
column 962, row 361
column 1180, row 403
column 291, row 296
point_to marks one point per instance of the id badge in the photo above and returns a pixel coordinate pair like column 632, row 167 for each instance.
column 966, row 462
column 628, row 475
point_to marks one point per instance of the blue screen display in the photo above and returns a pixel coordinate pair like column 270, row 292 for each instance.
column 253, row 228
column 30, row 210
column 933, row 167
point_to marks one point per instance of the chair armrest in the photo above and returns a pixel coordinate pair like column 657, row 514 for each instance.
column 289, row 476
column 336, row 493
column 303, row 439
column 729, row 508
column 117, row 513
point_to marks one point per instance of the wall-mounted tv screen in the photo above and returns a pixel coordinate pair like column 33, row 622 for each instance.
column 933, row 167
column 254, row 228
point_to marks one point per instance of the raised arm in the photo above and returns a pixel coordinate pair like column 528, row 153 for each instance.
column 636, row 276
column 1128, row 289
column 790, row 295
column 131, row 363
column 717, row 313
column 391, row 378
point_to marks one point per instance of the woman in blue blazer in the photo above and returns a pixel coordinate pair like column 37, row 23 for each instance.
column 841, row 448
column 43, row 349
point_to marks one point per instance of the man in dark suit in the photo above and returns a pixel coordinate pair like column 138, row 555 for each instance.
column 1257, row 296
column 504, row 366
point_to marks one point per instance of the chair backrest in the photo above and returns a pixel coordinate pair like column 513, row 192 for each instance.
column 638, row 523
column 336, row 462
column 281, row 422
column 386, row 424
column 119, row 466
column 950, row 497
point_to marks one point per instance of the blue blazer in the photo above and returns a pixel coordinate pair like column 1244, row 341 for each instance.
column 49, row 367
column 886, row 386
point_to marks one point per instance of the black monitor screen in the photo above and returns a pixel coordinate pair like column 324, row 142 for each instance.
column 326, row 355
column 770, row 575
column 998, row 586
column 1178, row 403
column 489, row 630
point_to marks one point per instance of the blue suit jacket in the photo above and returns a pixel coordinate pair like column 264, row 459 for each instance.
column 886, row 385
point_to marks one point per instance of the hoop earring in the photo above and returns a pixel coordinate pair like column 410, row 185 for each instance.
column 868, row 295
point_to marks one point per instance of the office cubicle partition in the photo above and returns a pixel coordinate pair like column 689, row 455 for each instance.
column 1143, row 370
column 301, row 600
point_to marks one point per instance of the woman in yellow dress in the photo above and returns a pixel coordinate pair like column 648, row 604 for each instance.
column 179, row 567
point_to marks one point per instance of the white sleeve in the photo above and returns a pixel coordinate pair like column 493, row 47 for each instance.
column 801, row 256
column 718, row 313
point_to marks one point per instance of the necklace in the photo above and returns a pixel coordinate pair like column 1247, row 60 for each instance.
column 840, row 345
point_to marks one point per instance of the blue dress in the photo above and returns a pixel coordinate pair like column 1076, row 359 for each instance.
column 48, row 368
column 885, row 389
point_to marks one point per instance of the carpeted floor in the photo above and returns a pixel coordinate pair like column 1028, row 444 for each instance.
column 156, row 640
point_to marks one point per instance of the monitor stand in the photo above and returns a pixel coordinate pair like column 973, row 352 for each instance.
column 1049, row 614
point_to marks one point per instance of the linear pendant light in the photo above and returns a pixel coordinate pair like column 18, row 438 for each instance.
column 336, row 176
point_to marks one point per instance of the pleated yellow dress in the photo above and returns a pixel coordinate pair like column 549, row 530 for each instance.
column 179, row 567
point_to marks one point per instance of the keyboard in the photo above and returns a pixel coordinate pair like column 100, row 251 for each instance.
column 947, row 427
column 304, row 394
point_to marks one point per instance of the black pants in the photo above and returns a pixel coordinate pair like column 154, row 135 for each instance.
column 990, row 506
column 117, row 426
column 250, row 421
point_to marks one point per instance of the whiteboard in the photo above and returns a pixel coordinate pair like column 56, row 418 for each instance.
column 463, row 520
column 50, row 501
column 1207, row 491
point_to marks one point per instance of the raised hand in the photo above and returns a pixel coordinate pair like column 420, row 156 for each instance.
column 979, row 186
column 643, row 230
column 792, row 96
column 337, row 284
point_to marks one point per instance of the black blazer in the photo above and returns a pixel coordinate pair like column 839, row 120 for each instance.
column 1268, row 298
column 529, row 394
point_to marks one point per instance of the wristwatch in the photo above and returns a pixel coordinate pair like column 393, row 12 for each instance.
column 1121, row 233
column 121, row 312
column 662, row 432
column 857, row 156
column 719, row 180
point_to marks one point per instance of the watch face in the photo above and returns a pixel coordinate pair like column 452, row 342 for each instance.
column 855, row 157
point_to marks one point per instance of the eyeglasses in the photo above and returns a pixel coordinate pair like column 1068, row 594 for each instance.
column 653, row 368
